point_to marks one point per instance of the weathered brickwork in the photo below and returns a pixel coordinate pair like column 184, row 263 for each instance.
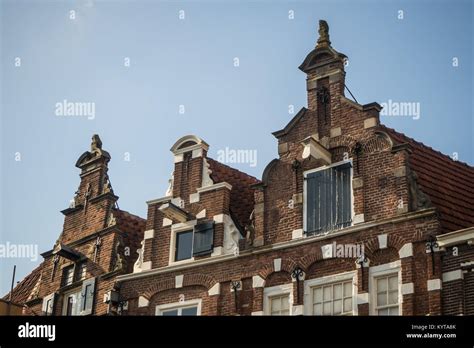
column 417, row 247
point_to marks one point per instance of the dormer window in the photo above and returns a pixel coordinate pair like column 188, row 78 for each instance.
column 184, row 246
column 188, row 243
column 328, row 198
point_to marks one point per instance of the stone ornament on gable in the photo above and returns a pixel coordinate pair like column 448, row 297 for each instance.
column 169, row 190
column 137, row 267
column 206, row 174
column 231, row 237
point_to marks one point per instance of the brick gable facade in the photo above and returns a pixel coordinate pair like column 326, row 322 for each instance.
column 408, row 208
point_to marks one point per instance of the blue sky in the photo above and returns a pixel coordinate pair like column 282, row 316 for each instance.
column 190, row 62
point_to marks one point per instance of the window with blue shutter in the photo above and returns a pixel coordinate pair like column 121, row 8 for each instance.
column 203, row 238
column 328, row 199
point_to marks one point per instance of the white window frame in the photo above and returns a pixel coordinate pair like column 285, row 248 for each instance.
column 305, row 197
column 326, row 280
column 278, row 290
column 380, row 271
column 175, row 229
column 66, row 295
column 179, row 305
column 46, row 308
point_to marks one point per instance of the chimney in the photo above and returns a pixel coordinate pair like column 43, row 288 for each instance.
column 324, row 67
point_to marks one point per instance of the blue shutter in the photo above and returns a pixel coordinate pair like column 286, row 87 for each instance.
column 344, row 196
column 312, row 202
column 87, row 296
column 203, row 238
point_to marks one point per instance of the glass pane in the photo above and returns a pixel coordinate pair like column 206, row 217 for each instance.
column 83, row 271
column 317, row 309
column 393, row 311
column 327, row 308
column 285, row 302
column 393, row 283
column 327, row 293
column 383, row 311
column 381, row 299
column 337, row 291
column 348, row 305
column 337, row 307
column 381, row 284
column 318, row 295
column 172, row 312
column 184, row 245
column 276, row 305
column 189, row 311
column 70, row 306
column 393, row 297
column 347, row 289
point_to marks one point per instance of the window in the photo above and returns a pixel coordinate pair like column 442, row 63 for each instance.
column 190, row 243
column 68, row 275
column 333, row 299
column 387, row 295
column 71, row 302
column 328, row 200
column 184, row 308
column 331, row 295
column 80, row 300
column 278, row 300
column 82, row 273
column 184, row 245
column 280, row 305
column 180, row 311
column 385, row 289
column 48, row 304
column 87, row 296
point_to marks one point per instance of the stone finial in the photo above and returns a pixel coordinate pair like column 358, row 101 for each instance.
column 323, row 40
column 96, row 143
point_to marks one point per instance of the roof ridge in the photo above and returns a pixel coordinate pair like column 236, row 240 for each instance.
column 427, row 147
column 130, row 214
column 233, row 169
column 25, row 280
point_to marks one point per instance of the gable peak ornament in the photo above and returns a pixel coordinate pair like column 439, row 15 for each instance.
column 96, row 143
column 323, row 31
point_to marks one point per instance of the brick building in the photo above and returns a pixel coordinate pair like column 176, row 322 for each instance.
column 353, row 218
column 98, row 242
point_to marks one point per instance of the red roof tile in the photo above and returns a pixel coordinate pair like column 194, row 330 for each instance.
column 134, row 227
column 448, row 183
column 23, row 290
column 242, row 195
